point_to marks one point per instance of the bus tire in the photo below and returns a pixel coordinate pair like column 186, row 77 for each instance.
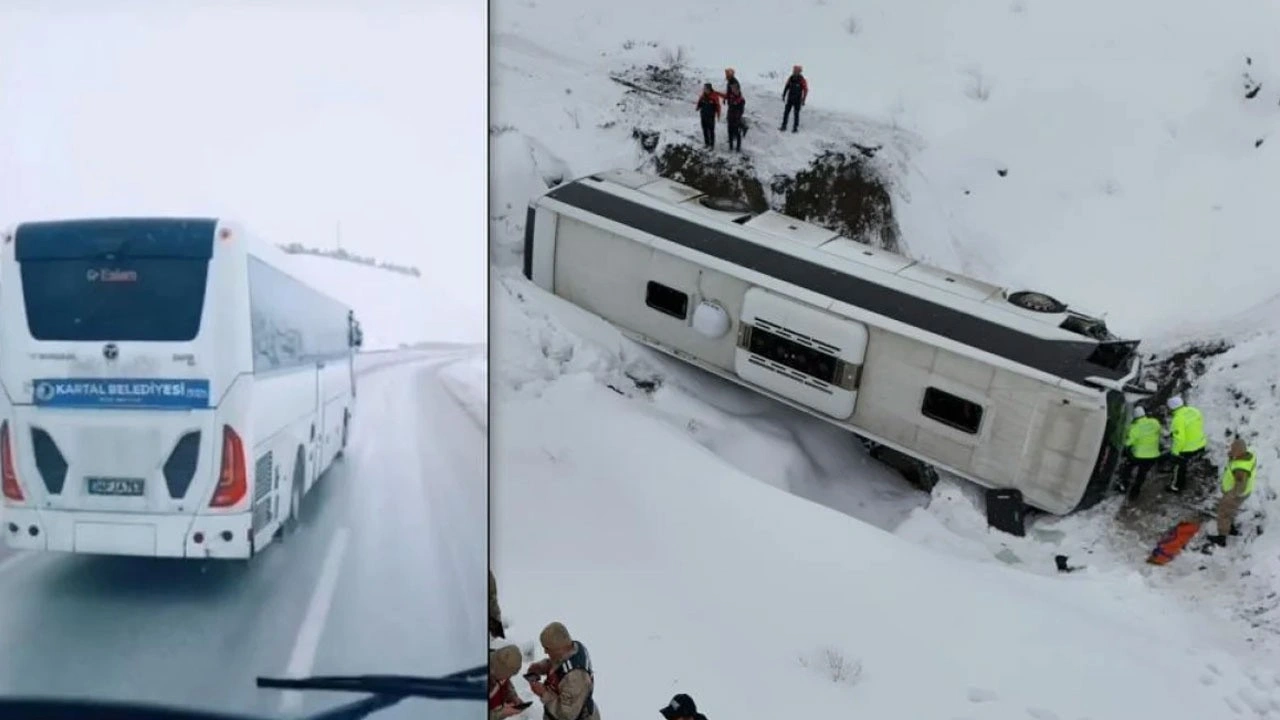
column 346, row 420
column 926, row 477
column 1036, row 301
column 294, row 521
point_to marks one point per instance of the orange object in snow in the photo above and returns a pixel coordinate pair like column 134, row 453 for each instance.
column 1173, row 542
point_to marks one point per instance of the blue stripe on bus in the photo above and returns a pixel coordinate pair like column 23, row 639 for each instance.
column 132, row 393
column 190, row 238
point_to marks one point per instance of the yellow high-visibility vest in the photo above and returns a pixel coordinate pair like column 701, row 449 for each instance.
column 1248, row 464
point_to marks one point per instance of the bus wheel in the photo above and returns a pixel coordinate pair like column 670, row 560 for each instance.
column 295, row 494
column 926, row 477
column 346, row 418
column 872, row 447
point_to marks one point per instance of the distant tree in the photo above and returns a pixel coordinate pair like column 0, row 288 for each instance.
column 296, row 248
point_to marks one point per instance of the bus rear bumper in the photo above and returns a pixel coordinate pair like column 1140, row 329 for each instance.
column 135, row 534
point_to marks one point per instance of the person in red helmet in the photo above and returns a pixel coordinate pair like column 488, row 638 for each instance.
column 737, row 105
column 794, row 93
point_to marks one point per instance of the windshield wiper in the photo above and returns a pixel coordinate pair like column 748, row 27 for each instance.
column 387, row 690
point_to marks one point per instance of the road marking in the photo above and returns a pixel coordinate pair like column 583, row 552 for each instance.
column 308, row 642
column 15, row 560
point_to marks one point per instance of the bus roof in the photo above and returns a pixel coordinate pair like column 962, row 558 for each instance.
column 134, row 237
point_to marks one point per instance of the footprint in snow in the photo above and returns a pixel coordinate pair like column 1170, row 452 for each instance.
column 979, row 695
column 1257, row 703
column 1214, row 669
column 1208, row 679
column 1235, row 706
column 1042, row 714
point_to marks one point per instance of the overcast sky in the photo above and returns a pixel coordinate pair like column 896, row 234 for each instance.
column 292, row 115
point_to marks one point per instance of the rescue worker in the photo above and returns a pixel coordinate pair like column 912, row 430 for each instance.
column 708, row 107
column 504, row 663
column 1187, row 440
column 495, row 613
column 794, row 93
column 566, row 693
column 1237, row 486
column 1143, row 446
column 731, row 81
column 737, row 106
column 682, row 707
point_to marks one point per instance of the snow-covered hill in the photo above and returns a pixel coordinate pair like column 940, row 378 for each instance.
column 1114, row 156
column 380, row 298
column 1128, row 142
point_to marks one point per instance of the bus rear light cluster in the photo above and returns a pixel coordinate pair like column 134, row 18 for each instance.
column 8, row 472
column 233, row 479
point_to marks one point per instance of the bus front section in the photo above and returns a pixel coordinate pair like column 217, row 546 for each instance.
column 119, row 434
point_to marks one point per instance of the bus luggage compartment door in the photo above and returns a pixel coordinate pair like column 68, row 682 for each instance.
column 800, row 352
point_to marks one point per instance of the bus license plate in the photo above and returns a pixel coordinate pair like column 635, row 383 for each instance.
column 126, row 487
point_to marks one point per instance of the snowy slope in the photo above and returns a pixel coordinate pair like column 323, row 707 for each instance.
column 1127, row 139
column 678, row 556
column 1134, row 185
column 468, row 381
column 379, row 299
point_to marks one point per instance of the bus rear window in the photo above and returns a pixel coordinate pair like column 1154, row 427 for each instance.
column 145, row 299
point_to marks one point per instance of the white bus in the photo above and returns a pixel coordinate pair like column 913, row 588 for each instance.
column 168, row 389
column 1011, row 390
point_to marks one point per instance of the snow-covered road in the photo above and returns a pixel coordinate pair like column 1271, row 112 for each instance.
column 385, row 577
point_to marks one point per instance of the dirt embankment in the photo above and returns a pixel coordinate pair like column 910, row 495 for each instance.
column 838, row 189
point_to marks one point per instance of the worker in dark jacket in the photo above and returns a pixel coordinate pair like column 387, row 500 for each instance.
column 681, row 707
column 737, row 106
column 731, row 81
column 708, row 107
column 794, row 94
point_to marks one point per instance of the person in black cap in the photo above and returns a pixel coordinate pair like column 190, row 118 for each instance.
column 708, row 107
column 682, row 707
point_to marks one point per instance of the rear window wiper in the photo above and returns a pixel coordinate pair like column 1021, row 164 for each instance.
column 386, row 690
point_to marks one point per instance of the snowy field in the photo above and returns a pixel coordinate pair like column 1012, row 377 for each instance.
column 711, row 524
column 468, row 381
column 380, row 298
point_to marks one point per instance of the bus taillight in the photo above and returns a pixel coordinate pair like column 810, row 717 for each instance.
column 12, row 490
column 233, row 483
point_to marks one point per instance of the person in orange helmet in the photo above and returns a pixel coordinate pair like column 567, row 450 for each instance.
column 737, row 105
column 794, row 94
column 731, row 82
